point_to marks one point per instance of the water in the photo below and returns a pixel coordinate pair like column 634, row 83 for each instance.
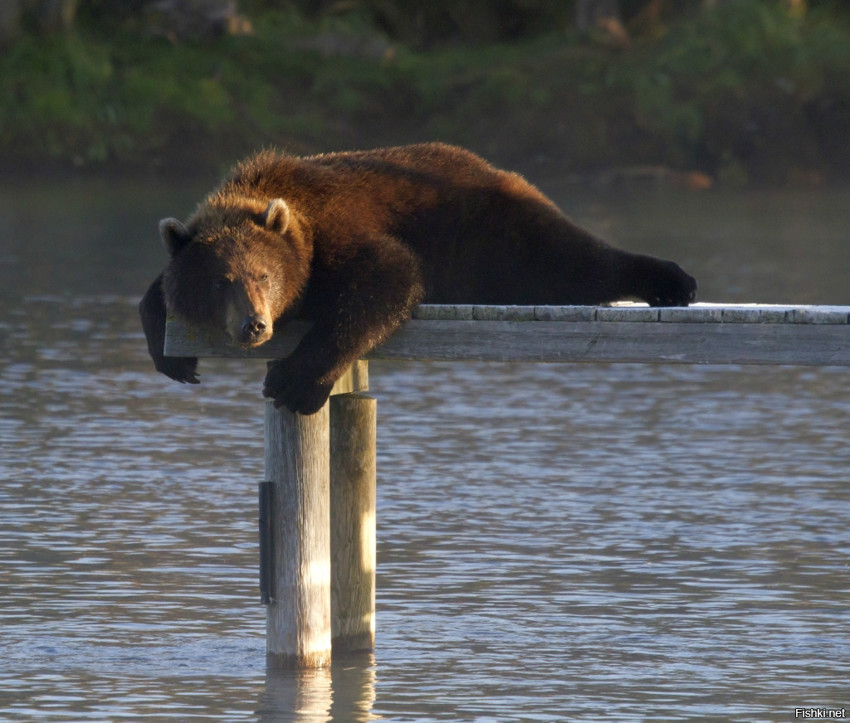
column 586, row 542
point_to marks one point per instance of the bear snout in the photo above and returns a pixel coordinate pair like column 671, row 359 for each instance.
column 253, row 330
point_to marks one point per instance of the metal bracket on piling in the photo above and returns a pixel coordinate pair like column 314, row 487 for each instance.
column 266, row 490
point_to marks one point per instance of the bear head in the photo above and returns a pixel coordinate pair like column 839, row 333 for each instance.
column 238, row 265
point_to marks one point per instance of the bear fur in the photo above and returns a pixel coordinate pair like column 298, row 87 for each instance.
column 354, row 241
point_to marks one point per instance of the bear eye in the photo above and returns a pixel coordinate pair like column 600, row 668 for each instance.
column 263, row 278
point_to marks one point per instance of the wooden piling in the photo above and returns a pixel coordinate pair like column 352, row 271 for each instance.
column 298, row 617
column 352, row 442
column 317, row 505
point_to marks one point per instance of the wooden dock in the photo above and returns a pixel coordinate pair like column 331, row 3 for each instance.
column 698, row 334
column 317, row 504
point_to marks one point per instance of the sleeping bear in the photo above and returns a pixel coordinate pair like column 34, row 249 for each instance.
column 354, row 241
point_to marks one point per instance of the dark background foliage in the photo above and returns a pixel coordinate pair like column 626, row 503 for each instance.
column 730, row 90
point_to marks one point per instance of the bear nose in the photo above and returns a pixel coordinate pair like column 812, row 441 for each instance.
column 253, row 326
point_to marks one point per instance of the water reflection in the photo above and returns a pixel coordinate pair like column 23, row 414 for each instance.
column 343, row 692
column 554, row 542
column 308, row 695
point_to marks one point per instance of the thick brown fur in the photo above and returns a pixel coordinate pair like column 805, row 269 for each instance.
column 354, row 241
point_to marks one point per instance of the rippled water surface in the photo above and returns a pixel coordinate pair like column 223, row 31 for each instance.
column 587, row 542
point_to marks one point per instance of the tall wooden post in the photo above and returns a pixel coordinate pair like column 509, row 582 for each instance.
column 353, row 473
column 298, row 617
column 317, row 505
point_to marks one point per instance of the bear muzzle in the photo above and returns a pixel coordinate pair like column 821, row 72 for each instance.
column 254, row 330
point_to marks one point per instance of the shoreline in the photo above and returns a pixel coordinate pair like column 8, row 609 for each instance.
column 691, row 108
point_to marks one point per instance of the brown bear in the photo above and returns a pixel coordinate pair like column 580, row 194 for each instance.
column 354, row 241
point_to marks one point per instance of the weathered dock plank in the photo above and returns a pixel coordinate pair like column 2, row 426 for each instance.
column 698, row 334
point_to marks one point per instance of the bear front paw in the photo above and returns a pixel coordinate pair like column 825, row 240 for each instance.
column 182, row 369
column 294, row 391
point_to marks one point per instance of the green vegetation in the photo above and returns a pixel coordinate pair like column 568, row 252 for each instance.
column 750, row 90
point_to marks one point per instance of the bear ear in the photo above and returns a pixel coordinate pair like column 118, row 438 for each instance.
column 276, row 216
column 173, row 234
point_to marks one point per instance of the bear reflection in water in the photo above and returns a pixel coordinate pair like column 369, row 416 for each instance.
column 355, row 241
